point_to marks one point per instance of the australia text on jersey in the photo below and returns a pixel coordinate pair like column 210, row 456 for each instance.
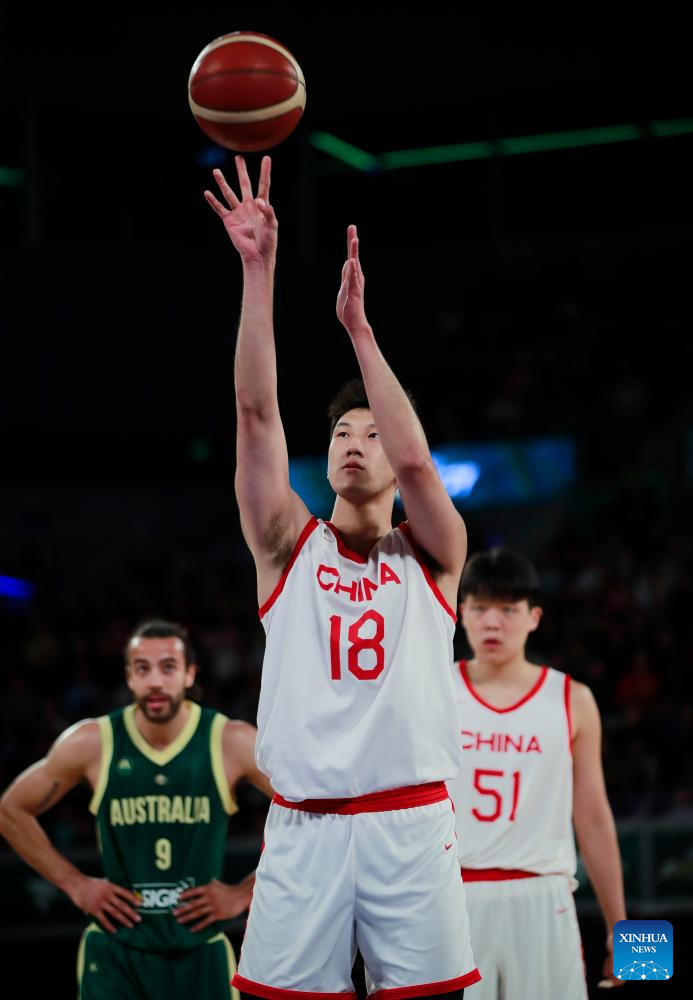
column 159, row 809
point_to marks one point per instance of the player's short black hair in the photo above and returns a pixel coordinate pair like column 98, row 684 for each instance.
column 352, row 396
column 157, row 628
column 500, row 575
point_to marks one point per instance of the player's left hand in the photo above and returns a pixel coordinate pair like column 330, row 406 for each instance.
column 205, row 904
column 350, row 307
column 609, row 980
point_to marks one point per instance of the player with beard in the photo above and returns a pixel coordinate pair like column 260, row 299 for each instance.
column 163, row 772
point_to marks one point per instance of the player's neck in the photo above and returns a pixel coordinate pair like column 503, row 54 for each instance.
column 362, row 525
column 487, row 669
column 161, row 735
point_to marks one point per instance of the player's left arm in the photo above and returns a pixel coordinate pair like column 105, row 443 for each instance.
column 238, row 749
column 206, row 904
column 435, row 523
column 594, row 822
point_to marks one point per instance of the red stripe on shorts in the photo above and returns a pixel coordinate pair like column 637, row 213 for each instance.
column 428, row 989
column 393, row 798
column 495, row 874
column 276, row 993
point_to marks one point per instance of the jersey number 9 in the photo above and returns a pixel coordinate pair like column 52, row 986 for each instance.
column 162, row 849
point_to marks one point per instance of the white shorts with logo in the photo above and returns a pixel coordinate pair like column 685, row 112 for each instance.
column 380, row 874
column 526, row 939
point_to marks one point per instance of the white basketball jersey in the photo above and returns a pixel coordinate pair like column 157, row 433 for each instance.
column 357, row 694
column 514, row 795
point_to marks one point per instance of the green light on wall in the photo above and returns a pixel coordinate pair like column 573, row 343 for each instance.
column 675, row 126
column 569, row 140
column 436, row 154
column 511, row 146
column 9, row 177
column 344, row 151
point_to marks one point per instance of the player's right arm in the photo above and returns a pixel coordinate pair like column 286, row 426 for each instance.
column 70, row 760
column 272, row 515
column 594, row 822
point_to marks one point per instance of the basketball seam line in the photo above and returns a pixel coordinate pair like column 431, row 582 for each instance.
column 247, row 72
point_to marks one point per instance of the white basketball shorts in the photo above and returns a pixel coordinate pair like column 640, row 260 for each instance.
column 526, row 938
column 379, row 872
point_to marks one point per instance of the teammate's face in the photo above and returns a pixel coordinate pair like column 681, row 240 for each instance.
column 498, row 630
column 158, row 677
column 357, row 467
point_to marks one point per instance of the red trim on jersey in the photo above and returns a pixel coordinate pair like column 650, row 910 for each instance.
column 427, row 989
column 511, row 708
column 568, row 712
column 276, row 993
column 495, row 874
column 405, row 528
column 387, row 801
column 309, row 528
column 343, row 550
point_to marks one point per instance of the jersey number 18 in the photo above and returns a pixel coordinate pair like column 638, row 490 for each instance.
column 357, row 643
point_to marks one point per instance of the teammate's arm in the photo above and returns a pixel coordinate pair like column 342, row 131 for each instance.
column 592, row 816
column 39, row 788
column 206, row 904
column 435, row 524
column 272, row 515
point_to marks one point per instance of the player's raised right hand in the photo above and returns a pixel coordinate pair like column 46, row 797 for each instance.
column 106, row 901
column 250, row 221
column 350, row 306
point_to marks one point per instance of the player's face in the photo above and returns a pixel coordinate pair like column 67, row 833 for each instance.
column 498, row 630
column 158, row 676
column 356, row 464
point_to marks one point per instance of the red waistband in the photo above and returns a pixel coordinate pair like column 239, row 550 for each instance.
column 495, row 874
column 393, row 798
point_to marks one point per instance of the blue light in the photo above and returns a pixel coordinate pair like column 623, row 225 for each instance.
column 510, row 473
column 18, row 590
column 211, row 156
column 459, row 478
column 482, row 474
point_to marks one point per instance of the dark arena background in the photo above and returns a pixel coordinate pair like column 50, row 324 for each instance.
column 523, row 197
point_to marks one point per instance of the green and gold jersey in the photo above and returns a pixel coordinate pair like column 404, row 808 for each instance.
column 161, row 820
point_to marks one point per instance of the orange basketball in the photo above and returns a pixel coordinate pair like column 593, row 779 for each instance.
column 246, row 91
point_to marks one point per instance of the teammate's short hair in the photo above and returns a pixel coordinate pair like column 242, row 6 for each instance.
column 157, row 628
column 500, row 575
column 352, row 396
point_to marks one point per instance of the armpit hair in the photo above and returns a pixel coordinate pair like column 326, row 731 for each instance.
column 277, row 541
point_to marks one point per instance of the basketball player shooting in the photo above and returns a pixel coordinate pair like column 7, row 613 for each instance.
column 357, row 723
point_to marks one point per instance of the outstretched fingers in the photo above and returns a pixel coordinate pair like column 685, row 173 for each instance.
column 357, row 264
column 353, row 252
column 263, row 188
column 243, row 178
column 220, row 209
column 225, row 189
column 267, row 211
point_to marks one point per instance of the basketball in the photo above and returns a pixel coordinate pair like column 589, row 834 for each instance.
column 246, row 91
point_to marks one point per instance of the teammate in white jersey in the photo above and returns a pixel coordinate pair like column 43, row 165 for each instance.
column 356, row 722
column 531, row 745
